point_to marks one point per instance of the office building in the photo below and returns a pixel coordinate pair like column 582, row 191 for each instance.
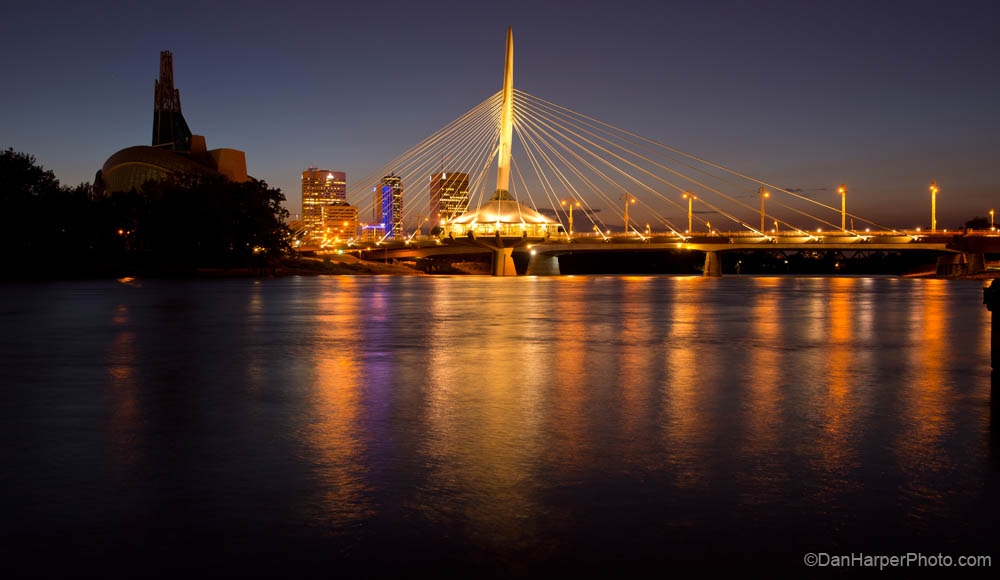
column 449, row 196
column 388, row 205
column 340, row 221
column 321, row 188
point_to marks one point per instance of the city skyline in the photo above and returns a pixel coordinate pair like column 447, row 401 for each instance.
column 896, row 105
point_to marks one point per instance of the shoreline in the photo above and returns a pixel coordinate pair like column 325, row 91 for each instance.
column 347, row 265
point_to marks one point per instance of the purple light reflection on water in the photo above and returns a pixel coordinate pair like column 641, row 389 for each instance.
column 506, row 425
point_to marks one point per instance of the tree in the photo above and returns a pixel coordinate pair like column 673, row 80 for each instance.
column 211, row 222
column 28, row 193
column 978, row 223
column 172, row 226
column 22, row 178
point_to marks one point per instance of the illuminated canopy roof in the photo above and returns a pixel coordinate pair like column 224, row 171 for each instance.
column 504, row 211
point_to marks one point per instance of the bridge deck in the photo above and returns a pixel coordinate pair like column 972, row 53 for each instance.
column 721, row 242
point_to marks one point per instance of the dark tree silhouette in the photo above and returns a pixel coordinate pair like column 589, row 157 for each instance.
column 169, row 227
column 978, row 223
column 211, row 223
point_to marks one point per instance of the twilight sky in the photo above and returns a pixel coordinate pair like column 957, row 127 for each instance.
column 884, row 96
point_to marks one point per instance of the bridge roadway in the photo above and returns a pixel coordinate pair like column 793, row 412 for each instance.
column 544, row 251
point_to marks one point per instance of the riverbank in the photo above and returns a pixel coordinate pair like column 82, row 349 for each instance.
column 340, row 264
column 297, row 266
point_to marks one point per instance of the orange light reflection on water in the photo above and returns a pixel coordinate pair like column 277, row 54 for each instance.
column 762, row 412
column 125, row 421
column 569, row 402
column 925, row 397
column 483, row 410
column 333, row 433
column 836, row 442
column 635, row 357
column 691, row 369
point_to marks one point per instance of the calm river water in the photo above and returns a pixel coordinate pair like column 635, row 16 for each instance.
column 507, row 426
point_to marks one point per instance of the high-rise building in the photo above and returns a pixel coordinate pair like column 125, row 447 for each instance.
column 321, row 187
column 340, row 221
column 449, row 196
column 389, row 205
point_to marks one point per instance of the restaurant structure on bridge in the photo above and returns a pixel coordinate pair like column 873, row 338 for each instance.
column 504, row 216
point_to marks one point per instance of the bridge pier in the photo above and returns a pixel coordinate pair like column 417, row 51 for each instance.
column 991, row 298
column 713, row 264
column 503, row 262
column 542, row 265
column 959, row 264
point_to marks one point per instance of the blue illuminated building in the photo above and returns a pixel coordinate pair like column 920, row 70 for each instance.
column 389, row 196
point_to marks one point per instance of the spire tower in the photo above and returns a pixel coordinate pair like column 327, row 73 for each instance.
column 506, row 122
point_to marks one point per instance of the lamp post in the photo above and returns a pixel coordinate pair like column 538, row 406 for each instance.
column 934, row 191
column 763, row 195
column 628, row 199
column 570, row 202
column 690, row 197
column 842, row 190
column 991, row 220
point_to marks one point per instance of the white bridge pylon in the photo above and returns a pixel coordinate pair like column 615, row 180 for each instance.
column 506, row 117
column 594, row 178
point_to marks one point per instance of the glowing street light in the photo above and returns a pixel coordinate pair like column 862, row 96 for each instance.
column 934, row 191
column 842, row 190
column 690, row 197
column 991, row 220
column 763, row 195
column 420, row 224
column 570, row 202
column 628, row 199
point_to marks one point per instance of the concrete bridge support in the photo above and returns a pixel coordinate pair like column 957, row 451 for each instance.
column 713, row 264
column 959, row 264
column 542, row 265
column 503, row 262
column 991, row 298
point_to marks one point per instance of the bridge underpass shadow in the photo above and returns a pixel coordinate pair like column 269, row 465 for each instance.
column 668, row 262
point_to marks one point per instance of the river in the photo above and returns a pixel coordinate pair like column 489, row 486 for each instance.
column 496, row 426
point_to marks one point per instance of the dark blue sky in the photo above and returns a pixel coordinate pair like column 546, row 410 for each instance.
column 884, row 96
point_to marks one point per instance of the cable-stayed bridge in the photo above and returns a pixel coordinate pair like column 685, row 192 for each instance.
column 566, row 182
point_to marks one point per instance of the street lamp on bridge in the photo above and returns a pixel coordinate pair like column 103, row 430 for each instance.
column 628, row 199
column 934, row 191
column 764, row 194
column 570, row 202
column 690, row 197
column 842, row 190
